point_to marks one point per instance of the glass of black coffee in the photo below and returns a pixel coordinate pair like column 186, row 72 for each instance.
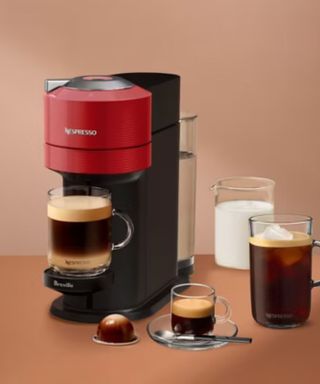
column 280, row 269
column 193, row 309
column 80, row 230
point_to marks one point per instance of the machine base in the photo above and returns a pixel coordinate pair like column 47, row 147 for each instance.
column 58, row 308
column 186, row 267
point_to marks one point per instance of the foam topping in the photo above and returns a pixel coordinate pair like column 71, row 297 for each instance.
column 193, row 308
column 275, row 232
column 79, row 208
column 273, row 238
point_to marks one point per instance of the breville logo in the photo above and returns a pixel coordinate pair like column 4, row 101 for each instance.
column 62, row 285
column 80, row 132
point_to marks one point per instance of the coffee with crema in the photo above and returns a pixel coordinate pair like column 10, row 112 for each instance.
column 79, row 234
column 192, row 316
column 280, row 280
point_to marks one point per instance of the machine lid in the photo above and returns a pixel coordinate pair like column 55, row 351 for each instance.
column 90, row 83
column 165, row 89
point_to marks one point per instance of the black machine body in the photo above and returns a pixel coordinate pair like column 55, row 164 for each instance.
column 141, row 275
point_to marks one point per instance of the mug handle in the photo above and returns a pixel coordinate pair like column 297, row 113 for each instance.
column 220, row 319
column 315, row 283
column 130, row 230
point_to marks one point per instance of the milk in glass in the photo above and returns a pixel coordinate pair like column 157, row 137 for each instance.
column 232, row 230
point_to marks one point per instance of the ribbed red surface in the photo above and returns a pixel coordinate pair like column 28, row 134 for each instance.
column 96, row 161
column 98, row 131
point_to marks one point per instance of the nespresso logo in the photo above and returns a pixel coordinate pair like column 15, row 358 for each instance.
column 80, row 132
column 62, row 285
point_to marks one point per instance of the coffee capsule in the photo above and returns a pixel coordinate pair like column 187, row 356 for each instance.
column 115, row 329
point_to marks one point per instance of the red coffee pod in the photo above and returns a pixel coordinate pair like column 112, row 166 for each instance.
column 114, row 329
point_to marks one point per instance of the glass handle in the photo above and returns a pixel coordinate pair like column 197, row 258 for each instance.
column 130, row 229
column 213, row 188
column 226, row 316
column 315, row 283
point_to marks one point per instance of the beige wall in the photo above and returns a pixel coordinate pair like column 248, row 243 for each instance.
column 250, row 69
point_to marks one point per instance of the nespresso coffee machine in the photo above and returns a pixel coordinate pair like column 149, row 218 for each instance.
column 120, row 132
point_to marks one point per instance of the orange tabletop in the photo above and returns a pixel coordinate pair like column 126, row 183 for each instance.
column 38, row 348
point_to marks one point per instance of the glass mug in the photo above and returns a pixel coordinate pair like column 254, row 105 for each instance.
column 80, row 230
column 280, row 274
column 193, row 311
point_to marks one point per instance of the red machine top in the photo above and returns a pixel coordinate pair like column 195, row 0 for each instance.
column 97, row 125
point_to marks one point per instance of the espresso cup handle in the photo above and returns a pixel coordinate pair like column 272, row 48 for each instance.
column 227, row 315
column 130, row 229
column 315, row 283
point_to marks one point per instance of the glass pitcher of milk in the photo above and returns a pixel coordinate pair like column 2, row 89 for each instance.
column 236, row 200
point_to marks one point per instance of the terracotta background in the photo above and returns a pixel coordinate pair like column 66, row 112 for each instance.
column 249, row 68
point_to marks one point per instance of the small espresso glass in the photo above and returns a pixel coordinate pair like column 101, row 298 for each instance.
column 280, row 269
column 79, row 219
column 193, row 309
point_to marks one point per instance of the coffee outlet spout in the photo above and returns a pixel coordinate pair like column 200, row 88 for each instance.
column 121, row 133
